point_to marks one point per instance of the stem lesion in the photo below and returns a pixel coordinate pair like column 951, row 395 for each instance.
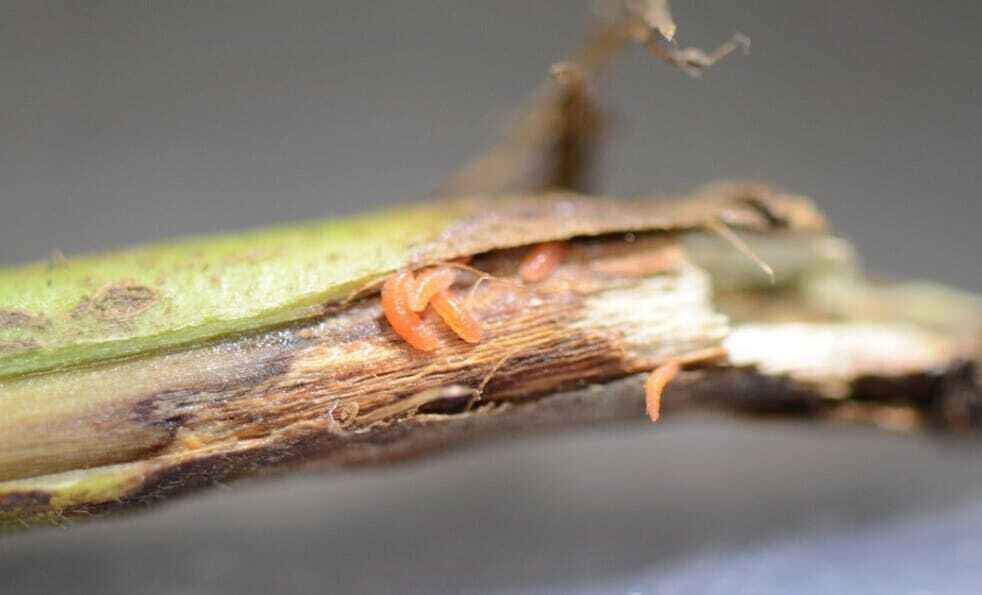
column 774, row 321
column 344, row 389
column 579, row 325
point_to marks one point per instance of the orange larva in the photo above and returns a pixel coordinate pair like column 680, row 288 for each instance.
column 655, row 385
column 456, row 315
column 428, row 284
column 407, row 324
column 403, row 295
column 540, row 261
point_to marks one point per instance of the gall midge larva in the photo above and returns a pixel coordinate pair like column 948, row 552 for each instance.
column 406, row 323
column 428, row 284
column 540, row 261
column 655, row 385
column 455, row 314
column 403, row 295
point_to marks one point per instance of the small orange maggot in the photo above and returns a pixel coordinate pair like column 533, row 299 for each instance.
column 655, row 385
column 404, row 295
column 540, row 261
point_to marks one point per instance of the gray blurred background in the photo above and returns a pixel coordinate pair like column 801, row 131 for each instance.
column 123, row 122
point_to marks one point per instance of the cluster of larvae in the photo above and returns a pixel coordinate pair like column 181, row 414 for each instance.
column 406, row 295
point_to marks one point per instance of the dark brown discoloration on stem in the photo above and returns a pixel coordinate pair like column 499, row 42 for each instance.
column 356, row 362
column 957, row 403
column 28, row 500
column 137, row 423
column 948, row 399
column 727, row 390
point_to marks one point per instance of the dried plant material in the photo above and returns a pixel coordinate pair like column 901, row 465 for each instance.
column 633, row 291
column 134, row 376
column 550, row 142
column 693, row 61
column 657, row 15
column 641, row 17
column 734, row 240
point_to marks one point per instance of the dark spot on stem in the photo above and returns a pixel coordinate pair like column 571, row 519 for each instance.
column 20, row 319
column 26, row 500
column 118, row 302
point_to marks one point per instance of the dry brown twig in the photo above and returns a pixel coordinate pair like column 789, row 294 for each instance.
column 549, row 143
